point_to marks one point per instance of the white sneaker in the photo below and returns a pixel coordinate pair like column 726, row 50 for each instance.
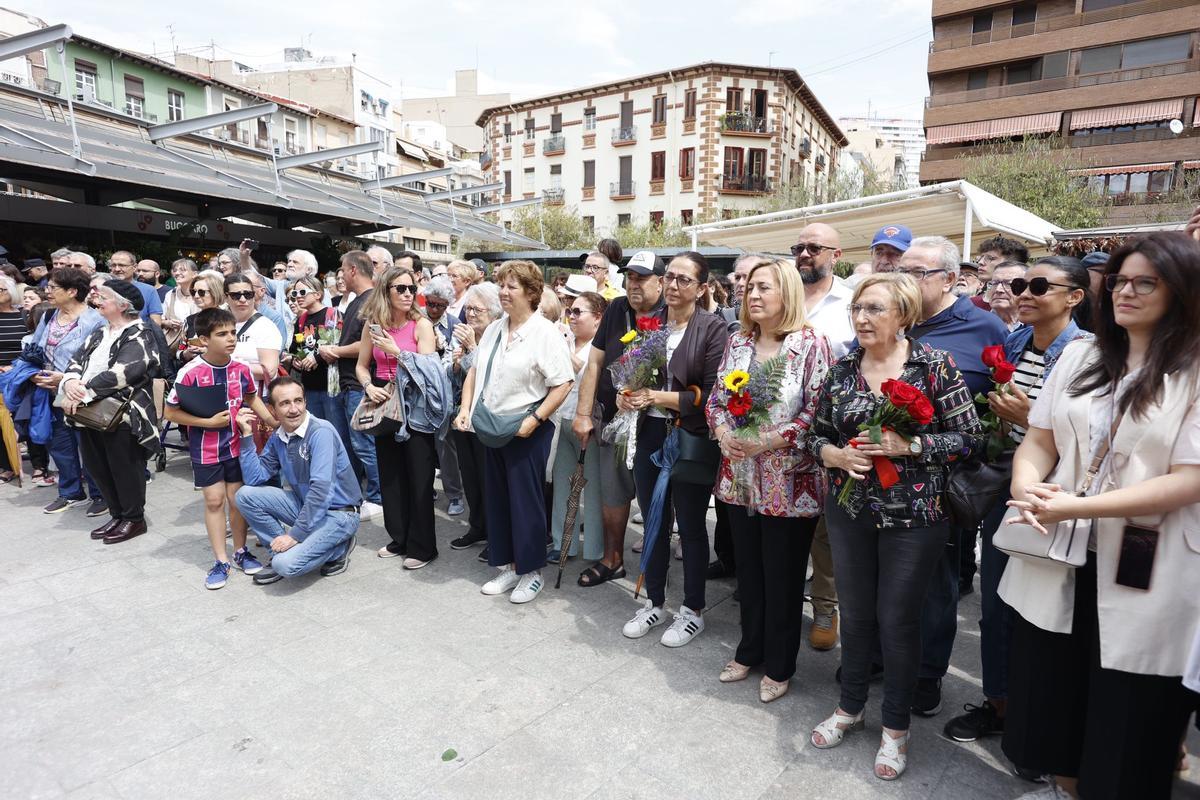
column 646, row 618
column 369, row 510
column 528, row 587
column 687, row 625
column 502, row 583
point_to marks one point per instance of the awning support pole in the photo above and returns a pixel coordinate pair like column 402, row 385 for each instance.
column 968, row 221
column 76, row 147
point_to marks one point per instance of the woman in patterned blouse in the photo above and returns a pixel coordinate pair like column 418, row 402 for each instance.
column 886, row 542
column 775, row 489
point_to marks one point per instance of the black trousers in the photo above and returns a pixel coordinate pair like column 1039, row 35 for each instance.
column 470, row 465
column 723, row 538
column 772, row 553
column 406, row 488
column 117, row 463
column 1118, row 732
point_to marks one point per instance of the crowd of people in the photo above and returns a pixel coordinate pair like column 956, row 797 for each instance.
column 829, row 423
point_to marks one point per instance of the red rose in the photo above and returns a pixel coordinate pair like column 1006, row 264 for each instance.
column 921, row 411
column 900, row 393
column 1003, row 372
column 649, row 323
column 993, row 355
column 739, row 404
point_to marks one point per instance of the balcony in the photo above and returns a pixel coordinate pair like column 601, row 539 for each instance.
column 622, row 190
column 556, row 145
column 1006, row 32
column 138, row 112
column 553, row 197
column 745, row 184
column 623, row 137
column 806, row 147
column 1058, row 84
column 737, row 124
column 820, row 163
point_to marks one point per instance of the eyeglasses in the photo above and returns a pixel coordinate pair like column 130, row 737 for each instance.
column 440, row 274
column 592, row 269
column 1036, row 286
column 474, row 310
column 1144, row 284
column 199, row 292
column 240, row 295
column 682, row 281
column 812, row 248
column 995, row 283
column 872, row 311
column 280, row 270
column 299, row 293
column 436, row 304
column 919, row 274
column 403, row 288
column 53, row 286
column 578, row 312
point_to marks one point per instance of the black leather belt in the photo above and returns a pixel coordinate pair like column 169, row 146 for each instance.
column 353, row 509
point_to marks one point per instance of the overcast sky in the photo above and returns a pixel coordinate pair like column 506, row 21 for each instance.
column 851, row 52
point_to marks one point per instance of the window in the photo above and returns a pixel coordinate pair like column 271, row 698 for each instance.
column 977, row 79
column 626, row 114
column 556, row 123
column 529, row 126
column 687, row 163
column 1100, row 59
column 590, row 224
column 527, row 186
column 658, row 165
column 135, row 96
column 623, row 220
column 1097, row 5
column 508, row 133
column 758, row 162
column 411, row 243
column 689, row 104
column 174, row 105
column 589, row 174
column 734, row 162
column 589, row 119
column 85, row 78
column 1023, row 71
column 289, row 135
column 733, row 99
column 320, row 136
column 685, row 216
column 508, row 183
column 660, row 109
column 656, row 218
column 1024, row 14
column 439, row 247
column 982, row 23
column 556, row 176
column 1163, row 50
column 1054, row 65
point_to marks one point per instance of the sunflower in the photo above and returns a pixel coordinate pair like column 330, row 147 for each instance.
column 629, row 337
column 736, row 379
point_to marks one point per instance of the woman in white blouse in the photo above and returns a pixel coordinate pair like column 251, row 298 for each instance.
column 523, row 364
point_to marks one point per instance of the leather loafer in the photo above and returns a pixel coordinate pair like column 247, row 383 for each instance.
column 125, row 531
column 105, row 529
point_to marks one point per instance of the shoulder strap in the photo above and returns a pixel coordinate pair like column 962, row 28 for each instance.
column 487, row 376
column 248, row 323
column 1098, row 458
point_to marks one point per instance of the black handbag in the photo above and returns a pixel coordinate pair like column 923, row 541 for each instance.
column 699, row 458
column 973, row 489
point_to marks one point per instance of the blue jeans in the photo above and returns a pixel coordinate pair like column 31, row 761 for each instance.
column 268, row 509
column 64, row 449
column 995, row 626
column 359, row 446
column 321, row 405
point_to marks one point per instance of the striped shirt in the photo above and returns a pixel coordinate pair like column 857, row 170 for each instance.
column 12, row 331
column 213, row 445
column 1031, row 369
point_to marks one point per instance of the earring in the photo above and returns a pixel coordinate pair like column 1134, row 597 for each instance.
column 900, row 335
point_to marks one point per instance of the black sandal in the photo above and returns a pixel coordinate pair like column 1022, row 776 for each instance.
column 599, row 573
column 7, row 478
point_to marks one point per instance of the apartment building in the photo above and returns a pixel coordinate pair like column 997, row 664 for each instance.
column 907, row 136
column 874, row 155
column 1117, row 79
column 685, row 145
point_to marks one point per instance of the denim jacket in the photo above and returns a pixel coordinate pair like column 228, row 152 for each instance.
column 428, row 397
column 89, row 321
column 1019, row 339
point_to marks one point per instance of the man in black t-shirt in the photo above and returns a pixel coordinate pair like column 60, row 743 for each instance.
column 358, row 273
column 644, row 295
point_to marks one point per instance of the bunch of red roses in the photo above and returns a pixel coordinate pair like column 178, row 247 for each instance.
column 994, row 359
column 904, row 409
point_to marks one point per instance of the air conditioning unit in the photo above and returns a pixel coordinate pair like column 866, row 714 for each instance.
column 278, row 150
column 87, row 95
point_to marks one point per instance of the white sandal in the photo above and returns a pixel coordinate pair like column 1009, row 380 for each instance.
column 890, row 756
column 834, row 729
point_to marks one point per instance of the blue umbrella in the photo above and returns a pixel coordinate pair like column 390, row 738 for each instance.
column 664, row 459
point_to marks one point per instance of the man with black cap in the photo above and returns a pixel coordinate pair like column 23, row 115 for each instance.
column 36, row 273
column 644, row 295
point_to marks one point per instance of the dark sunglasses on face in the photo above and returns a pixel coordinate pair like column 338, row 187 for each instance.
column 812, row 248
column 578, row 312
column 1145, row 284
column 199, row 292
column 1036, row 286
column 240, row 295
column 403, row 288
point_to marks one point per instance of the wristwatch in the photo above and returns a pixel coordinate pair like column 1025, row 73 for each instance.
column 914, row 445
column 536, row 417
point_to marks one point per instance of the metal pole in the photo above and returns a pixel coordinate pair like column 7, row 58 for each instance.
column 76, row 147
column 695, row 240
column 271, row 147
column 968, row 221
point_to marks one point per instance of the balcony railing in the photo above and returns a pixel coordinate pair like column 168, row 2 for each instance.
column 948, row 152
column 745, row 183
column 1006, row 32
column 554, row 145
column 821, row 161
column 624, row 135
column 806, row 148
column 1057, row 84
column 620, row 190
column 553, row 197
column 744, row 123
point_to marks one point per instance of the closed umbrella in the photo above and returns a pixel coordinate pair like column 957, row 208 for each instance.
column 8, row 431
column 664, row 459
column 577, row 484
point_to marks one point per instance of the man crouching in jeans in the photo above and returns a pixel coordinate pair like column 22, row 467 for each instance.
column 320, row 505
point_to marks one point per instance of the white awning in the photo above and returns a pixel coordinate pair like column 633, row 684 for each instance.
column 1130, row 114
column 1047, row 122
column 958, row 210
column 412, row 151
column 1126, row 169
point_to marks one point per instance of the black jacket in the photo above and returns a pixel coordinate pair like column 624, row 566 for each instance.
column 695, row 363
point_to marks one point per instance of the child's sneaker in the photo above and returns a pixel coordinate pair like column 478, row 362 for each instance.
column 217, row 576
column 246, row 562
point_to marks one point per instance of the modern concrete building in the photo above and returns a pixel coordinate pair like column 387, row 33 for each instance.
column 906, row 135
column 1117, row 79
column 457, row 113
column 872, row 154
column 688, row 144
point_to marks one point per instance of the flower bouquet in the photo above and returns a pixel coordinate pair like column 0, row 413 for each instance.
column 903, row 410
column 640, row 366
column 1002, row 372
column 748, row 396
column 310, row 338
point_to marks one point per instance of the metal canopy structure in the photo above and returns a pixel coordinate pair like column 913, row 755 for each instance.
column 100, row 158
column 958, row 210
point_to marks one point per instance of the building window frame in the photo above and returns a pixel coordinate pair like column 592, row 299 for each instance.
column 176, row 102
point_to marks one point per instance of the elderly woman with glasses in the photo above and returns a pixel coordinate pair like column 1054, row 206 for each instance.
column 117, row 360
column 316, row 324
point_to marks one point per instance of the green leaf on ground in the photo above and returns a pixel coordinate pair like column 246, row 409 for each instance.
column 450, row 755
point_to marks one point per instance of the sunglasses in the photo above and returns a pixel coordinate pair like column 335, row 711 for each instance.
column 199, row 292
column 578, row 312
column 240, row 295
column 1036, row 286
column 403, row 288
column 1145, row 284
column 812, row 248
column 298, row 294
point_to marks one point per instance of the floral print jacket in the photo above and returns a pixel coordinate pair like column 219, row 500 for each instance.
column 777, row 483
column 916, row 501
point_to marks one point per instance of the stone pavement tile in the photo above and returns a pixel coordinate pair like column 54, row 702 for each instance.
column 227, row 762
column 329, row 653
column 231, row 690
column 33, row 709
column 30, row 564
column 632, row 783
column 109, row 639
column 18, row 597
column 92, row 578
column 491, row 636
column 150, row 590
column 96, row 790
column 577, row 654
column 22, row 777
column 48, row 622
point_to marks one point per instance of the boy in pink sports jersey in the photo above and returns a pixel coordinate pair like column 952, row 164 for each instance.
column 213, row 443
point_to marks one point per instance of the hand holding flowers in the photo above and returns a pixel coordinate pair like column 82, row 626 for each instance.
column 904, row 409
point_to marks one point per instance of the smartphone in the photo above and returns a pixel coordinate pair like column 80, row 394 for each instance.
column 1138, row 546
column 375, row 329
column 251, row 245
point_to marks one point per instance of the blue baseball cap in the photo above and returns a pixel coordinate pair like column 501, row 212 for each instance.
column 897, row 236
column 1095, row 258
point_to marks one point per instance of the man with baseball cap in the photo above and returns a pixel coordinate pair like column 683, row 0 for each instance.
column 890, row 242
column 35, row 272
column 644, row 285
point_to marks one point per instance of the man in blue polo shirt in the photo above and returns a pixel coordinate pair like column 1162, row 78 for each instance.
column 954, row 324
column 123, row 264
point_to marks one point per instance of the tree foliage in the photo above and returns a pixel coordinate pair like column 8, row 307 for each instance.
column 639, row 236
column 1035, row 174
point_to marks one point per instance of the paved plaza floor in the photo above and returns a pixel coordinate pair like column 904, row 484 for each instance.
column 121, row 676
